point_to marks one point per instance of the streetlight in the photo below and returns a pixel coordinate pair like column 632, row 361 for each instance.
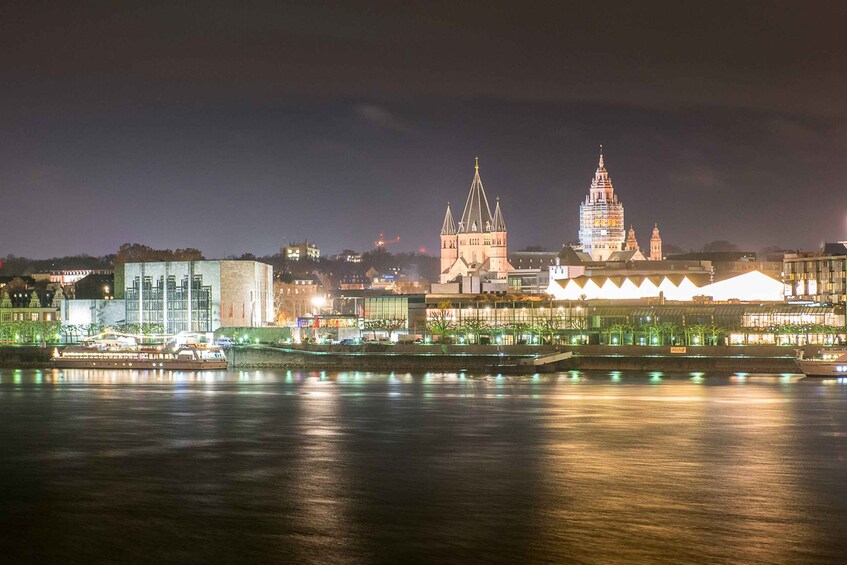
column 318, row 302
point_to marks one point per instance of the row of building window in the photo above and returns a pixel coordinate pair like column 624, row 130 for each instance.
column 27, row 316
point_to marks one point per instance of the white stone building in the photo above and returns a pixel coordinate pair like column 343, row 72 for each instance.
column 197, row 296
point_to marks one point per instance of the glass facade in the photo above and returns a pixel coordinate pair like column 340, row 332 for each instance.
column 387, row 308
column 821, row 279
column 572, row 322
column 169, row 305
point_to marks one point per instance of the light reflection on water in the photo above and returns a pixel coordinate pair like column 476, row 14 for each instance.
column 355, row 466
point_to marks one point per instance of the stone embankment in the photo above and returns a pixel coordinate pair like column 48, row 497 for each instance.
column 25, row 356
column 411, row 358
column 476, row 358
column 419, row 358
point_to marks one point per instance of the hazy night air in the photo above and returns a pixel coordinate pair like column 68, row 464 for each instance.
column 230, row 128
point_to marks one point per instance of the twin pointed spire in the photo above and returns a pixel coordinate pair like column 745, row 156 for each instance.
column 476, row 217
column 448, row 227
column 499, row 222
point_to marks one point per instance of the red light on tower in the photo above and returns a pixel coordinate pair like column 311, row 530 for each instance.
column 422, row 250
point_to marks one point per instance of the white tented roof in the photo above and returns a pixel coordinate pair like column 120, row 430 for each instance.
column 749, row 287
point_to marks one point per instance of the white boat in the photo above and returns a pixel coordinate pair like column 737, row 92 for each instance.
column 830, row 362
column 121, row 351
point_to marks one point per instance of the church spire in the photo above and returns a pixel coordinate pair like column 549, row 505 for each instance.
column 631, row 242
column 477, row 215
column 499, row 222
column 656, row 244
column 448, row 227
column 601, row 185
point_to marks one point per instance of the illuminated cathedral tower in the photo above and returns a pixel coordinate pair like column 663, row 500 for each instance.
column 479, row 244
column 656, row 244
column 449, row 242
column 601, row 227
column 631, row 242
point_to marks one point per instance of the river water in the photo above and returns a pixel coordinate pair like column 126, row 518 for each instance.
column 280, row 466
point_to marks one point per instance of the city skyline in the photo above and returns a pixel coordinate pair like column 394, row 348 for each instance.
column 235, row 129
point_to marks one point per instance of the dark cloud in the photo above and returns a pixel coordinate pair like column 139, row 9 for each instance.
column 228, row 126
column 382, row 118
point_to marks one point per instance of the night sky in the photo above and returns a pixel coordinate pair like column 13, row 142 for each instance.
column 234, row 127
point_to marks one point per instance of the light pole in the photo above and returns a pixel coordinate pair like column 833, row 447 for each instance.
column 318, row 302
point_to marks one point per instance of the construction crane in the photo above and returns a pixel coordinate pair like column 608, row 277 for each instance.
column 382, row 242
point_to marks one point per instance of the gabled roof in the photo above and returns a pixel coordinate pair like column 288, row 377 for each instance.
column 569, row 256
column 630, row 255
column 477, row 215
column 460, row 261
column 752, row 285
column 839, row 248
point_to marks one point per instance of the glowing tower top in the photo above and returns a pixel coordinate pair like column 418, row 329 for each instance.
column 601, row 221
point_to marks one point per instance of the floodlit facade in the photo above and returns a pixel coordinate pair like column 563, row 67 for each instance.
column 656, row 244
column 631, row 241
column 71, row 276
column 296, row 299
column 92, row 312
column 302, row 251
column 26, row 317
column 479, row 244
column 503, row 320
column 601, row 221
column 197, row 296
column 820, row 277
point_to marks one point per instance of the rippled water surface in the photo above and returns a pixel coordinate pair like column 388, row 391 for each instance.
column 276, row 466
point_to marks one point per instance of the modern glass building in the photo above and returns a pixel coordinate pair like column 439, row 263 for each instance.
column 196, row 296
column 820, row 277
column 506, row 319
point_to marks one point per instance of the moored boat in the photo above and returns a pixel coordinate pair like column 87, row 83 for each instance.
column 828, row 363
column 125, row 352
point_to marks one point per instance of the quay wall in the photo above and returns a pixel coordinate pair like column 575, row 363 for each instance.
column 25, row 356
column 679, row 364
column 421, row 358
column 255, row 357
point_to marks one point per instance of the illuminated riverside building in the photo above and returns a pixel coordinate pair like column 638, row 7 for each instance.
column 478, row 246
column 26, row 317
column 513, row 319
column 817, row 277
column 601, row 222
column 196, row 296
